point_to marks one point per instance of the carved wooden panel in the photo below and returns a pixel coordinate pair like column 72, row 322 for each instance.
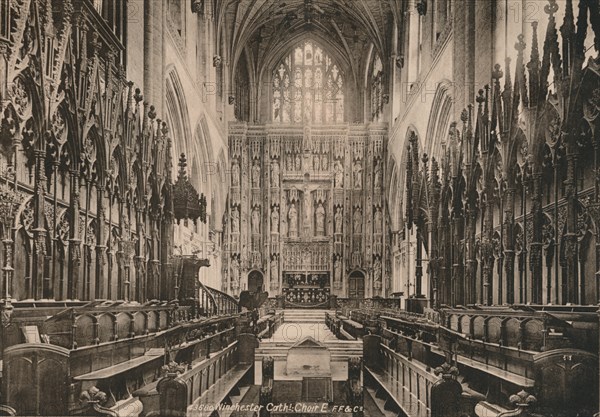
column 478, row 327
column 512, row 332
column 465, row 325
column 85, row 330
column 35, row 379
column 533, row 338
column 563, row 380
column 123, row 325
column 105, row 328
column 494, row 330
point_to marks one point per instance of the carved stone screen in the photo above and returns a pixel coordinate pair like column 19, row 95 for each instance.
column 306, row 209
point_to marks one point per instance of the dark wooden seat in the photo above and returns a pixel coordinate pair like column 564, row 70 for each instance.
column 354, row 323
column 396, row 392
column 121, row 368
column 218, row 393
column 353, row 328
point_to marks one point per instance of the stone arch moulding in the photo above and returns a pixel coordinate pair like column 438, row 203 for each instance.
column 439, row 119
column 177, row 113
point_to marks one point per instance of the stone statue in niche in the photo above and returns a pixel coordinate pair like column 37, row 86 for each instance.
column 235, row 220
column 338, row 220
column 316, row 162
column 255, row 221
column 298, row 162
column 337, row 270
column 308, row 260
column 357, row 171
column 293, row 221
column 320, row 217
column 235, row 273
column 284, row 224
column 255, row 175
column 377, row 270
column 378, row 221
column 275, row 220
column 307, row 210
column 289, row 164
column 357, row 221
column 324, row 162
column 275, row 174
column 339, row 175
column 235, row 174
column 377, row 175
column 274, row 270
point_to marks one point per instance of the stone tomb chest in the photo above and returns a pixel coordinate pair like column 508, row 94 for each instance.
column 308, row 358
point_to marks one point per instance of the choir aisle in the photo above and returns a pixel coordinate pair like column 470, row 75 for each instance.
column 304, row 329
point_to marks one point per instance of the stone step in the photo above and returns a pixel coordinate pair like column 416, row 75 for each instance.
column 354, row 352
column 328, row 342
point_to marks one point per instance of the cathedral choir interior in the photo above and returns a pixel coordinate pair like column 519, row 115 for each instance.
column 271, row 208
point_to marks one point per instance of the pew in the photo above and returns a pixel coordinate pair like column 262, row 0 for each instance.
column 411, row 388
column 210, row 381
column 117, row 357
column 497, row 350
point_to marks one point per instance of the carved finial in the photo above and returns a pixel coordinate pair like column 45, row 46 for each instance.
column 164, row 128
column 480, row 98
column 551, row 8
column 94, row 43
column 446, row 371
column 520, row 45
column 67, row 9
column 507, row 80
column 152, row 113
column 464, row 116
column 138, row 96
column 535, row 52
column 422, row 7
column 172, row 369
column 93, row 395
column 522, row 399
column 497, row 73
column 182, row 164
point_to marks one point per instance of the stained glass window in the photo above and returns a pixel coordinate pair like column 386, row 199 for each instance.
column 377, row 89
column 308, row 86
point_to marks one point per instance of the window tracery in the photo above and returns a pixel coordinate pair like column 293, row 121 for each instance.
column 308, row 87
column 377, row 89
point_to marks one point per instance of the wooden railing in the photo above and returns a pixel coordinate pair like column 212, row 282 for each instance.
column 95, row 324
column 215, row 302
column 520, row 348
column 203, row 386
column 119, row 347
column 268, row 324
column 411, row 388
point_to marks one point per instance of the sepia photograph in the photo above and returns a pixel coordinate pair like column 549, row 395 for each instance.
column 300, row 208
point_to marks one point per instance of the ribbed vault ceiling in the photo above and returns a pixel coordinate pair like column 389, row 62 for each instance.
column 262, row 29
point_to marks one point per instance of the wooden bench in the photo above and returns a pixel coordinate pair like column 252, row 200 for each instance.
column 187, row 390
column 219, row 392
column 353, row 328
column 397, row 397
column 412, row 389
